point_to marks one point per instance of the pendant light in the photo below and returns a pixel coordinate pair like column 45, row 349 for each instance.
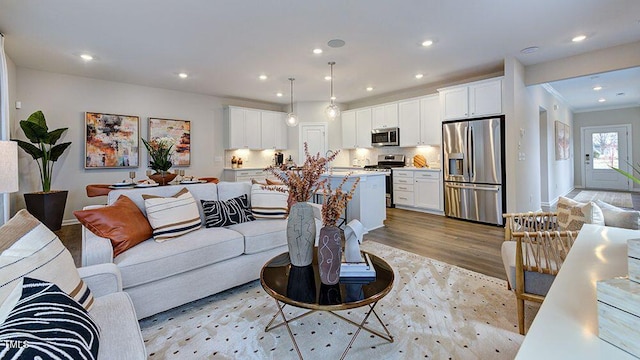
column 332, row 111
column 292, row 119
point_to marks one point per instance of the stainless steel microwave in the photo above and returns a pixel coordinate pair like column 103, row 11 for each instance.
column 385, row 137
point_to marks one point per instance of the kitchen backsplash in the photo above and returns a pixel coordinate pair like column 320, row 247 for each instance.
column 359, row 157
column 362, row 157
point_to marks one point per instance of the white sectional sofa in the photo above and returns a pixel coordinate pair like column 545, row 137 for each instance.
column 160, row 276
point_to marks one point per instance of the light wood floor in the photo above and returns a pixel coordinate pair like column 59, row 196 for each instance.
column 469, row 245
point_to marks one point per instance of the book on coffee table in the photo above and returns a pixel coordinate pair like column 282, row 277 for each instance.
column 358, row 270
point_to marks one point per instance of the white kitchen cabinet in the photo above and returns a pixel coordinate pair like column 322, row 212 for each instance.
column 243, row 128
column 244, row 175
column 428, row 190
column 409, row 123
column 420, row 122
column 274, row 130
column 403, row 194
column 476, row 99
column 385, row 116
column 455, row 103
column 418, row 190
column 356, row 129
column 430, row 123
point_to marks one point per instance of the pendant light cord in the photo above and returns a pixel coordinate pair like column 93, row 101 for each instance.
column 291, row 80
column 331, row 64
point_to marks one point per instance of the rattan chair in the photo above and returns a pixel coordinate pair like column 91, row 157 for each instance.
column 532, row 254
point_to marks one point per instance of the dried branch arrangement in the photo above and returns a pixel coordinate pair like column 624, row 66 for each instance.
column 302, row 181
column 336, row 201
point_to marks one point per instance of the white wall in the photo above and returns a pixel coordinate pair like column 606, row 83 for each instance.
column 11, row 69
column 64, row 99
column 600, row 118
column 559, row 173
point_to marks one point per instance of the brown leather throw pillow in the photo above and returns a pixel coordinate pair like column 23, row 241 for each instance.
column 121, row 222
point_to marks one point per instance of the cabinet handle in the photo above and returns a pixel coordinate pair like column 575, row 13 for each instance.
column 403, row 198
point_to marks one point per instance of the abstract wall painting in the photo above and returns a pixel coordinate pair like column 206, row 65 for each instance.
column 563, row 140
column 111, row 141
column 180, row 132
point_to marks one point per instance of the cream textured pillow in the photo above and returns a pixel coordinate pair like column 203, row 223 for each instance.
column 622, row 218
column 269, row 204
column 572, row 214
column 30, row 249
column 173, row 216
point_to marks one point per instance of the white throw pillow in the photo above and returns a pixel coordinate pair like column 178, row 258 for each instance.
column 173, row 216
column 30, row 249
column 622, row 218
column 269, row 204
column 572, row 214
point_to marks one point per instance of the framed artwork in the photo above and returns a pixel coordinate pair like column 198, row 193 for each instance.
column 180, row 132
column 111, row 141
column 563, row 133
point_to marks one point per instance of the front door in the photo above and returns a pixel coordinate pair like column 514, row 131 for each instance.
column 606, row 147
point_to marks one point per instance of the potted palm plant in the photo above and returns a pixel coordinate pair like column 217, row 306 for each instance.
column 46, row 205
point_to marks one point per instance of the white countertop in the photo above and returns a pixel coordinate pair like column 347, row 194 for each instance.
column 245, row 168
column 352, row 173
column 411, row 168
column 566, row 326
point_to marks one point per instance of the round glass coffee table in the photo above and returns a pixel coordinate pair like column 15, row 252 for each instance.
column 301, row 287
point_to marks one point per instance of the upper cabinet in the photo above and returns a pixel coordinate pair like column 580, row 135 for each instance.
column 274, row 130
column 254, row 129
column 419, row 121
column 385, row 116
column 476, row 99
column 356, row 128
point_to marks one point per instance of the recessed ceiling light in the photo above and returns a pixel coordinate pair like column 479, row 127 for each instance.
column 602, row 100
column 86, row 57
column 332, row 98
column 419, row 76
column 529, row 50
column 183, row 75
column 317, row 51
column 427, row 43
column 327, row 77
column 279, row 94
column 579, row 38
column 336, row 43
column 597, row 88
column 369, row 88
column 263, row 77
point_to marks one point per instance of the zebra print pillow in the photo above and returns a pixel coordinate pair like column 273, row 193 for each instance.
column 46, row 323
column 225, row 213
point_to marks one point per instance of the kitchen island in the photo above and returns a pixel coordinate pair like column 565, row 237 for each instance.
column 368, row 203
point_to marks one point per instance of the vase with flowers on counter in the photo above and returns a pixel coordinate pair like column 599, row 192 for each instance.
column 160, row 151
column 301, row 182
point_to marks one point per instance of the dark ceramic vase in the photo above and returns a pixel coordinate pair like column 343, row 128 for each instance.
column 330, row 254
column 301, row 234
column 48, row 207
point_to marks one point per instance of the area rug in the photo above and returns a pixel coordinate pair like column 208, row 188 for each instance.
column 619, row 199
column 435, row 311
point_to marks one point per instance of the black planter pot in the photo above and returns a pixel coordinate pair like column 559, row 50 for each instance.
column 47, row 207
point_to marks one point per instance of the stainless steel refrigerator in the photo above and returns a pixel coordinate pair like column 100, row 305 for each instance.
column 473, row 154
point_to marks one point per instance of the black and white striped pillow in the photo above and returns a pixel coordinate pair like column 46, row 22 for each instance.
column 225, row 213
column 46, row 323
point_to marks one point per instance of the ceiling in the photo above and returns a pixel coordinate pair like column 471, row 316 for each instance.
column 618, row 89
column 224, row 45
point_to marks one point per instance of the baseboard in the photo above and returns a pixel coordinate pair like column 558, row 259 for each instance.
column 555, row 201
column 70, row 222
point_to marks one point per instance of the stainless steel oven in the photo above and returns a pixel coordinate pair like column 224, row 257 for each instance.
column 385, row 137
column 385, row 164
